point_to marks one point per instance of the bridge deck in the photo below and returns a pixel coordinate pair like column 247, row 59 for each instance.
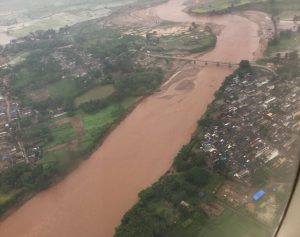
column 210, row 62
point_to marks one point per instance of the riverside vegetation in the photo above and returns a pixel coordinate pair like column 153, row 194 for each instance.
column 279, row 8
column 173, row 206
column 77, row 82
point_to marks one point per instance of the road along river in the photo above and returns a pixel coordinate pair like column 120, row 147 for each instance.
column 91, row 200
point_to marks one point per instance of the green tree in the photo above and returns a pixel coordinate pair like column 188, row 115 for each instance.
column 198, row 176
column 245, row 65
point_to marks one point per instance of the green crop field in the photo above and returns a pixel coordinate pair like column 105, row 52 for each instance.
column 63, row 89
column 65, row 158
column 62, row 134
column 55, row 155
column 96, row 124
column 285, row 44
column 285, row 9
column 24, row 78
column 42, row 14
column 191, row 42
column 97, row 93
column 232, row 223
column 220, row 5
column 7, row 196
column 18, row 59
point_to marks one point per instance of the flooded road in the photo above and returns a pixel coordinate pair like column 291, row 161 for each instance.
column 91, row 201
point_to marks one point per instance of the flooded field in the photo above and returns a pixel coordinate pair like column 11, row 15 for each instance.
column 91, row 201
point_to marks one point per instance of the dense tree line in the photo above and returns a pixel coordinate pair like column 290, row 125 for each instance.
column 118, row 54
column 159, row 207
column 136, row 83
column 38, row 70
column 139, row 82
column 41, row 69
column 94, row 106
column 33, row 42
column 30, row 177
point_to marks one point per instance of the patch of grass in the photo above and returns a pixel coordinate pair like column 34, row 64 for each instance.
column 25, row 77
column 32, row 73
column 18, row 59
column 44, row 24
column 65, row 158
column 95, row 126
column 61, row 135
column 214, row 182
column 289, row 14
column 98, row 123
column 277, row 8
column 283, row 8
column 220, row 5
column 66, row 89
column 9, row 200
column 195, row 225
column 231, row 223
column 97, row 93
column 285, row 44
column 54, row 156
column 85, row 34
column 52, row 16
column 4, row 197
column 94, row 123
column 194, row 42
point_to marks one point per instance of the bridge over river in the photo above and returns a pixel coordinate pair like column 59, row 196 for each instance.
column 204, row 62
column 92, row 199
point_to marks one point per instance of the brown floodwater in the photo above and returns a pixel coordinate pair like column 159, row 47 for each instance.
column 92, row 200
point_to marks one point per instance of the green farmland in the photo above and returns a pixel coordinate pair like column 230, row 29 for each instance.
column 97, row 93
column 61, row 134
column 220, row 5
column 194, row 42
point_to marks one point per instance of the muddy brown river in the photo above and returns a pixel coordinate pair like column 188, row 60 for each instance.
column 92, row 200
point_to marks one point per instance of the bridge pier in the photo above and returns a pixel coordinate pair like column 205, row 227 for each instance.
column 206, row 63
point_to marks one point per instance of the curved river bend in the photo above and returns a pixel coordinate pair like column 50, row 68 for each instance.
column 91, row 200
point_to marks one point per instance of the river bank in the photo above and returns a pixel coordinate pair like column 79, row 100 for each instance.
column 92, row 200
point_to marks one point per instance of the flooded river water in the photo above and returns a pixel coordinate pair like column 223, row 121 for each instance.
column 91, row 200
